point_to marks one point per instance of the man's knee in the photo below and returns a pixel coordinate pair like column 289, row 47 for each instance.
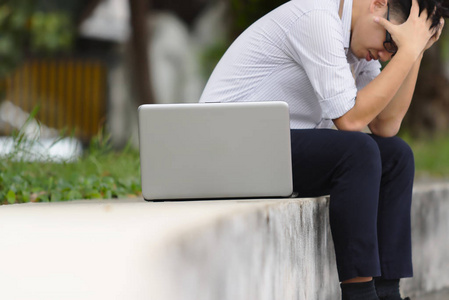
column 402, row 150
column 396, row 153
column 364, row 151
column 364, row 145
column 399, row 151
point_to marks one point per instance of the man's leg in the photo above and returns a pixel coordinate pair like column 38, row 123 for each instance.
column 394, row 230
column 346, row 165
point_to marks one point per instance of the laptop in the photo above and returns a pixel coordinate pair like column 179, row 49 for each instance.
column 200, row 151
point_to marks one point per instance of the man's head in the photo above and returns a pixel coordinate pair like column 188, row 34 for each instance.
column 400, row 9
column 370, row 40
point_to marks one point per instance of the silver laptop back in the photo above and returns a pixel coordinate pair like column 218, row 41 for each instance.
column 215, row 150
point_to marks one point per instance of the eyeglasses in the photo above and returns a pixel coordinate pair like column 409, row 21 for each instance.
column 389, row 45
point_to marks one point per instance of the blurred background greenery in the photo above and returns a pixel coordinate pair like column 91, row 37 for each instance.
column 35, row 27
column 49, row 60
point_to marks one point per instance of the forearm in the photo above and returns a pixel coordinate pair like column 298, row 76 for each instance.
column 377, row 95
column 391, row 117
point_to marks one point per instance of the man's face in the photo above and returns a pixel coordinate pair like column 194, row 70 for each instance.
column 368, row 37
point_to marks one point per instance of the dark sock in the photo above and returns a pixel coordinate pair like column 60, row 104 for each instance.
column 387, row 289
column 358, row 291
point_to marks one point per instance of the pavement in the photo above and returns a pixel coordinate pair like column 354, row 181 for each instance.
column 442, row 295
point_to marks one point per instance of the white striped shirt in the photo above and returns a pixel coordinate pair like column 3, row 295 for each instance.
column 298, row 53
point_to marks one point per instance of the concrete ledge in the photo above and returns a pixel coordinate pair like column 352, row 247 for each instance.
column 430, row 237
column 232, row 249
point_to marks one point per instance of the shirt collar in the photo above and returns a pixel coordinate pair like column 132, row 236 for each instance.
column 346, row 20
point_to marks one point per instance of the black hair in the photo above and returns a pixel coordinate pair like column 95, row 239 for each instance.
column 441, row 7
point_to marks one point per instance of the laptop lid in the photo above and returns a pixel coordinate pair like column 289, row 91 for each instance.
column 215, row 150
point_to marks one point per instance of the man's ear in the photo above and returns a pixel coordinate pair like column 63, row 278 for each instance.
column 377, row 6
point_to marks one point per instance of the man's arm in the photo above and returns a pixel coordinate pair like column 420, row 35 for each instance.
column 377, row 95
column 388, row 122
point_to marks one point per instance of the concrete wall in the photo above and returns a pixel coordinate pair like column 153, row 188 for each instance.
column 229, row 249
column 430, row 236
column 285, row 251
column 277, row 251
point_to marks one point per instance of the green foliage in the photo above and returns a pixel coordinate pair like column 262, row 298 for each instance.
column 24, row 30
column 431, row 155
column 13, row 24
column 246, row 12
column 112, row 175
column 243, row 14
column 99, row 173
column 51, row 32
column 211, row 56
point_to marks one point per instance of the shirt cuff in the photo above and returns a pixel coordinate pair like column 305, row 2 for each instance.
column 335, row 107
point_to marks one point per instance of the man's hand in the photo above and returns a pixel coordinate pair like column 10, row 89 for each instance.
column 414, row 35
column 436, row 36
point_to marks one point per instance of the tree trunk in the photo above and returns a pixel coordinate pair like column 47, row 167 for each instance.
column 139, row 49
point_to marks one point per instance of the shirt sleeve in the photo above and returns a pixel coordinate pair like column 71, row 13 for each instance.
column 316, row 42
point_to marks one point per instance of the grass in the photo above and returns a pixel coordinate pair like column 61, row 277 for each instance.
column 431, row 155
column 99, row 173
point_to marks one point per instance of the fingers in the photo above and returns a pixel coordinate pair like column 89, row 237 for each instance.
column 384, row 22
column 414, row 11
column 425, row 16
column 437, row 29
column 440, row 29
column 436, row 36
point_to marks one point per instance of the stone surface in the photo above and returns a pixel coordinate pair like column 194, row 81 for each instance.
column 430, row 237
column 277, row 251
column 442, row 295
column 229, row 249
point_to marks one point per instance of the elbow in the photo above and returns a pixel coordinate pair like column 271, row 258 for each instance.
column 384, row 130
column 385, row 133
column 346, row 124
column 383, row 127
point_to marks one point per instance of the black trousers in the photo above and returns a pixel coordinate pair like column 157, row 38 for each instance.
column 369, row 180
